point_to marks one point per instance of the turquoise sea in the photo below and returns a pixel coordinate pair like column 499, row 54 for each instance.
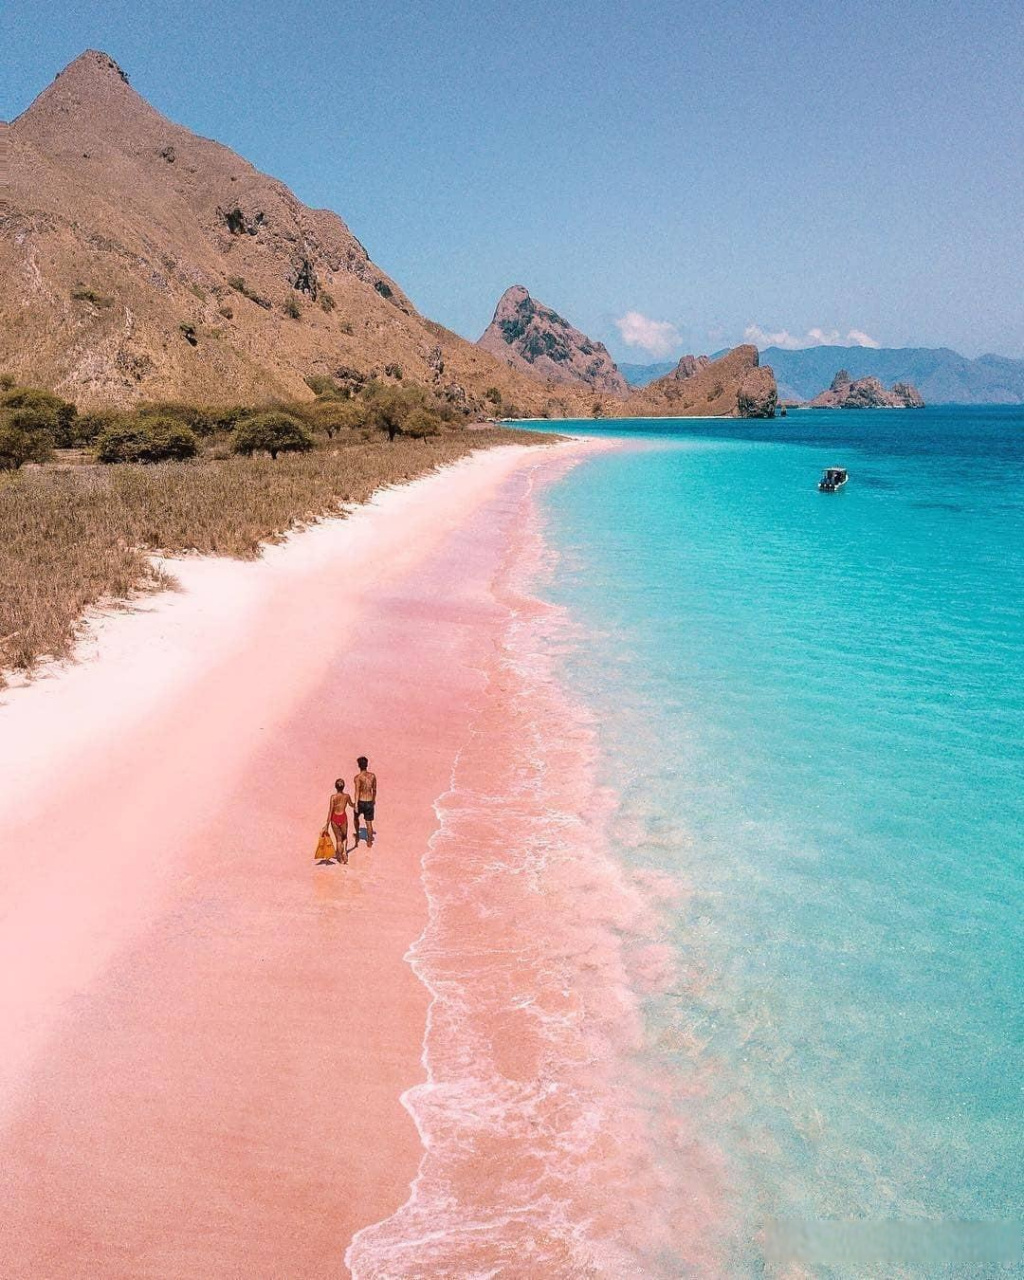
column 811, row 709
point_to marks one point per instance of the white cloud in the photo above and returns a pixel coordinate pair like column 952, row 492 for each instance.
column 812, row 338
column 658, row 337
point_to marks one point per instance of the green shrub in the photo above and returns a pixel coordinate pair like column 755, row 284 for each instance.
column 200, row 421
column 188, row 332
column 90, row 426
column 226, row 312
column 321, row 384
column 238, row 284
column 37, row 410
column 345, row 326
column 146, row 440
column 327, row 302
column 393, row 371
column 274, row 432
column 421, row 423
column 81, row 294
column 494, row 395
column 292, row 309
column 18, row 445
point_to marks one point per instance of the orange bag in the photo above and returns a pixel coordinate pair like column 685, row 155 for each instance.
column 324, row 848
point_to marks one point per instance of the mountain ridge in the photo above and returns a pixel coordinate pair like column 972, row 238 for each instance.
column 143, row 262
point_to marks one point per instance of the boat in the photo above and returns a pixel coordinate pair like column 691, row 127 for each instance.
column 832, row 478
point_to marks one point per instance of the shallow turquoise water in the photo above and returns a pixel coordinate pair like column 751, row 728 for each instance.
column 812, row 707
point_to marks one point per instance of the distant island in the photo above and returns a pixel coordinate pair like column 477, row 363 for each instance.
column 941, row 376
column 866, row 393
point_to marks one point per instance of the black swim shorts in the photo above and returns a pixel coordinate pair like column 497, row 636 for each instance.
column 365, row 809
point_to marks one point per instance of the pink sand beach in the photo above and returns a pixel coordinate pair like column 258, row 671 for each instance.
column 223, row 1060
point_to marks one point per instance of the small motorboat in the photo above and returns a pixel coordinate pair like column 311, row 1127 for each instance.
column 832, row 478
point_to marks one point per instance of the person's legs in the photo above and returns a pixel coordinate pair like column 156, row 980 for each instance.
column 369, row 832
column 340, row 832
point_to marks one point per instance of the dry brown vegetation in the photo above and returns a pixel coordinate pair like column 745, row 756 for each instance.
column 73, row 536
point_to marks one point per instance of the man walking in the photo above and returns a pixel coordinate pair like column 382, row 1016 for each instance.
column 365, row 787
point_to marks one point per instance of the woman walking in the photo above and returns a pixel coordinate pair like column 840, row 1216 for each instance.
column 337, row 818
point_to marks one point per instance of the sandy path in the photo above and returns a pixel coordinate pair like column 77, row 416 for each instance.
column 205, row 1037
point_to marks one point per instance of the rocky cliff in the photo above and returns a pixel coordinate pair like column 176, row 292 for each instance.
column 866, row 393
column 141, row 261
column 534, row 339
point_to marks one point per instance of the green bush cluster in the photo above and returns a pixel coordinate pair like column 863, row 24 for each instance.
column 34, row 422
column 151, row 439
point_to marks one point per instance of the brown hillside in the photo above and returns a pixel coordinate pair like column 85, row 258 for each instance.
column 141, row 261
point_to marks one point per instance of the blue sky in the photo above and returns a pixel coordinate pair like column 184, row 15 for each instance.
column 671, row 174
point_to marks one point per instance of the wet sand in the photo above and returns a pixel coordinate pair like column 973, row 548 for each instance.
column 206, row 1036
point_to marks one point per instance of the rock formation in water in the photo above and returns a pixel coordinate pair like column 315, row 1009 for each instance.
column 538, row 341
column 734, row 385
column 866, row 393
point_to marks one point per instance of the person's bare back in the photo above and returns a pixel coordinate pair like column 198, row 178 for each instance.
column 365, row 787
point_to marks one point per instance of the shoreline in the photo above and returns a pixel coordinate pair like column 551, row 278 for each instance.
column 212, row 1035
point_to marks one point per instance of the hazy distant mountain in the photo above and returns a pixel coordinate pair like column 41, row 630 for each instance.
column 942, row 376
column 639, row 375
column 538, row 341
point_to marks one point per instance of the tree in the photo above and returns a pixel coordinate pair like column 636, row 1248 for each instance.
column 271, row 433
column 388, row 407
column 18, row 446
column 421, row 423
column 38, row 410
column 333, row 416
column 146, row 440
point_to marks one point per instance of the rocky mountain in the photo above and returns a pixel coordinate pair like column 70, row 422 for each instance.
column 942, row 376
column 538, row 341
column 866, row 393
column 735, row 384
column 141, row 261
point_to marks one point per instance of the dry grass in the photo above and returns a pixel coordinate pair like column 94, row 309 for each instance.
column 72, row 537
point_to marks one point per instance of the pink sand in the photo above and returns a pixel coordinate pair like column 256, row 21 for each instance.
column 205, row 1036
